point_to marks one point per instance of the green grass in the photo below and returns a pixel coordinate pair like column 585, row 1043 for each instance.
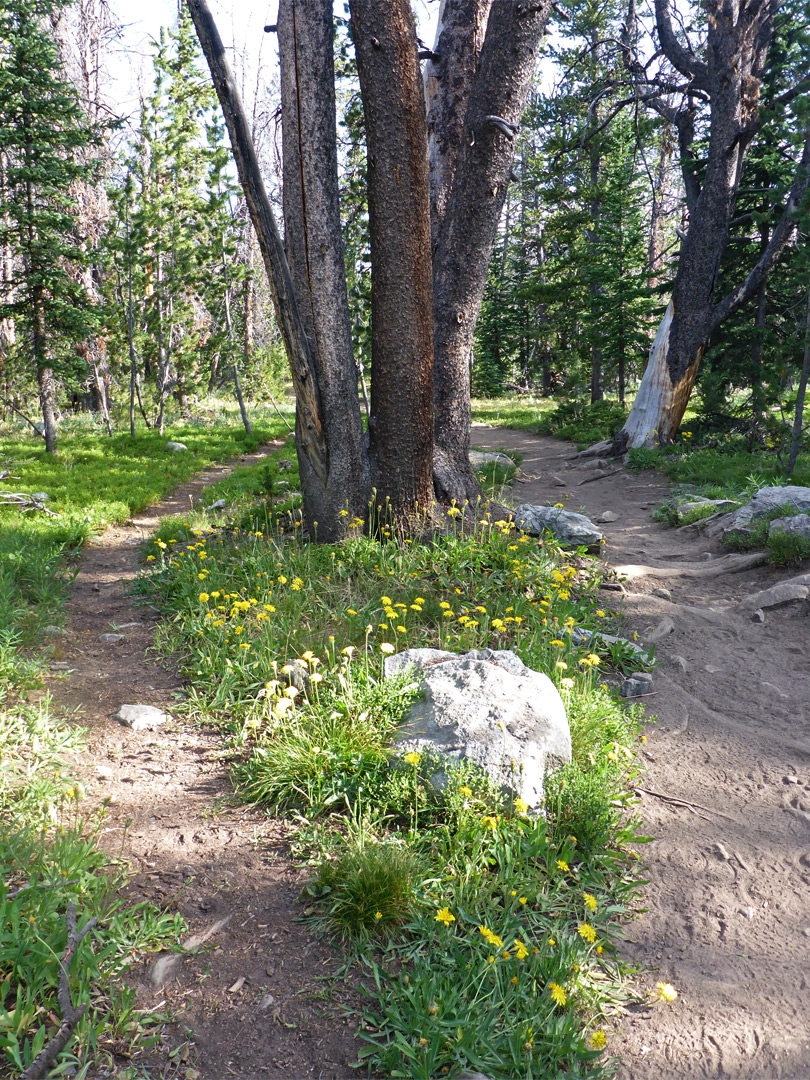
column 48, row 851
column 578, row 421
column 282, row 642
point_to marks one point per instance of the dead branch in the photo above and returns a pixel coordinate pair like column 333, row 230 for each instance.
column 70, row 1015
column 599, row 476
column 25, row 502
column 683, row 802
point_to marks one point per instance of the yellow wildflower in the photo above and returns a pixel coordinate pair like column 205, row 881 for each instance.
column 558, row 995
column 444, row 915
column 665, row 991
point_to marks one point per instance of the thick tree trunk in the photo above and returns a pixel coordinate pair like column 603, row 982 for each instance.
column 401, row 422
column 310, row 435
column 470, row 223
column 315, row 252
column 798, row 418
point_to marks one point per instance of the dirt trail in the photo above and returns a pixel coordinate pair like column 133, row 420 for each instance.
column 251, row 1004
column 729, row 909
column 729, row 916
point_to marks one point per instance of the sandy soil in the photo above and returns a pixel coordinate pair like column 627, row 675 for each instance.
column 726, row 795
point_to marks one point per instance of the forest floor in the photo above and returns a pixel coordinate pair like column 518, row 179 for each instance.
column 725, row 794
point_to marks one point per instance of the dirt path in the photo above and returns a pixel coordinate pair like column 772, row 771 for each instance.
column 252, row 1003
column 729, row 914
column 729, row 908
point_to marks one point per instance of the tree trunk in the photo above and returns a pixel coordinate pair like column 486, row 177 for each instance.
column 401, row 422
column 757, row 348
column 310, row 432
column 315, row 252
column 470, row 224
column 237, row 382
column 798, row 417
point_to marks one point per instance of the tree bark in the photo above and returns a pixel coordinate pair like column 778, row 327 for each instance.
column 315, row 252
column 401, row 421
column 470, row 223
column 798, row 418
column 310, row 437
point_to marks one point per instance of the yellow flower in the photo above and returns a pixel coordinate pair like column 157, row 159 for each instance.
column 386, row 601
column 161, row 545
column 348, row 651
column 598, row 1040
column 562, row 865
column 665, row 991
column 386, row 647
column 523, row 899
column 558, row 995
column 489, row 822
column 291, row 692
column 150, row 558
column 521, row 950
column 551, row 941
column 412, row 758
column 561, row 664
column 444, row 915
column 590, row 901
column 600, row 615
column 203, row 597
column 557, row 641
column 521, row 806
column 351, row 611
column 377, row 914
column 586, row 932
column 490, row 959
column 465, row 791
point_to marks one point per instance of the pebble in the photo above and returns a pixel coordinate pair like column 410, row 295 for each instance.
column 792, row 779
column 140, row 717
column 664, row 594
column 680, row 663
column 758, row 616
column 608, row 516
column 112, row 639
column 104, row 772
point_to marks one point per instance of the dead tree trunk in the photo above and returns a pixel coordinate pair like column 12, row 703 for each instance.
column 401, row 421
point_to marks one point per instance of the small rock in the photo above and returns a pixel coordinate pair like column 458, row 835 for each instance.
column 165, row 968
column 104, row 772
column 54, row 631
column 140, row 717
column 721, row 852
column 96, row 587
column 266, row 1002
column 662, row 630
column 220, row 504
column 60, row 665
column 112, row 639
column 664, row 594
column 284, row 465
column 636, row 685
column 792, row 779
column 680, row 663
column 176, row 447
column 607, row 516
column 556, row 481
column 758, row 615
column 785, row 592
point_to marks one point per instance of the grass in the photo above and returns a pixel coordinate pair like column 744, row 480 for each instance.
column 49, row 856
column 283, row 642
column 575, row 420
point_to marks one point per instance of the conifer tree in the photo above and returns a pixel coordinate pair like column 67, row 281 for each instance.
column 43, row 133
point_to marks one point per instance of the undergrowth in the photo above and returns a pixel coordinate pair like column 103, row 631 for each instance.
column 49, row 856
column 486, row 931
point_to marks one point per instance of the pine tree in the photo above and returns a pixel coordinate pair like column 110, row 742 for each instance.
column 42, row 134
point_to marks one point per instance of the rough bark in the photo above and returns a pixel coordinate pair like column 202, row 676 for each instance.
column 448, row 79
column 798, row 417
column 469, row 227
column 315, row 252
column 311, row 437
column 401, row 422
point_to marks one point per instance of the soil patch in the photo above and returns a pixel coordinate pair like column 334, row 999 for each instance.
column 728, row 920
column 256, row 999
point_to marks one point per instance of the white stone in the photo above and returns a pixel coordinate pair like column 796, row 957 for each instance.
column 176, row 447
column 140, row 717
column 486, row 457
column 568, row 527
column 488, row 708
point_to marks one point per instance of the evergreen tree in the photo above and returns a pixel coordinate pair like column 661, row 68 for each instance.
column 42, row 132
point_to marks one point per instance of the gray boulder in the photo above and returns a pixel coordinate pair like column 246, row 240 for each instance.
column 486, row 457
column 176, row 447
column 488, row 708
column 140, row 717
column 785, row 592
column 572, row 529
column 797, row 525
column 765, row 501
column 636, row 685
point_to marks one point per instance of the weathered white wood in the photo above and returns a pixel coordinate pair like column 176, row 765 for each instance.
column 656, row 394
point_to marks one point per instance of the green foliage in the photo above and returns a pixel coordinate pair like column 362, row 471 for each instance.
column 584, row 423
column 787, row 549
column 369, row 889
column 283, row 642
